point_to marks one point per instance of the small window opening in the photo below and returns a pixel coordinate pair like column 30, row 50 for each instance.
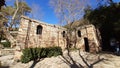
column 63, row 33
column 39, row 29
column 79, row 33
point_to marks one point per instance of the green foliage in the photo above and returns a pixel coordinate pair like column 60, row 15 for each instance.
column 54, row 51
column 38, row 53
column 6, row 44
column 24, row 9
column 73, row 49
column 107, row 19
column 27, row 55
column 8, row 12
column 2, row 3
column 104, row 16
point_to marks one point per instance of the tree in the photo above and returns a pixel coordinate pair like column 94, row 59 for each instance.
column 106, row 2
column 68, row 11
column 13, row 13
column 21, row 8
column 107, row 19
column 2, row 3
column 10, row 16
column 3, row 20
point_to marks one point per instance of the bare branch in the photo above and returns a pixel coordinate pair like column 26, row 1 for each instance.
column 68, row 10
column 36, row 12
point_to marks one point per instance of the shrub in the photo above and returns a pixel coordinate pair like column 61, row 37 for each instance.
column 27, row 55
column 6, row 44
column 34, row 53
column 38, row 53
column 54, row 51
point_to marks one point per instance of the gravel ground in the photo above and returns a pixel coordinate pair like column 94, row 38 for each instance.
column 74, row 59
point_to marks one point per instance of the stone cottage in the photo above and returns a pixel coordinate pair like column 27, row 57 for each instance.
column 33, row 33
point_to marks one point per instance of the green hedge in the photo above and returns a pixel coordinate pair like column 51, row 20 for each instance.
column 38, row 53
column 6, row 44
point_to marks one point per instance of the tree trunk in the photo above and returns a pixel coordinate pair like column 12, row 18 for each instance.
column 15, row 13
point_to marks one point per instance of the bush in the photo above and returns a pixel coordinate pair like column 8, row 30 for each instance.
column 27, row 55
column 54, row 51
column 6, row 44
column 38, row 53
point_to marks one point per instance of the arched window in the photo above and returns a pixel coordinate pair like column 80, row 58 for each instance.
column 39, row 29
column 63, row 33
column 79, row 33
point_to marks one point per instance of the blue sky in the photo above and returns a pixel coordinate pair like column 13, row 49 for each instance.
column 48, row 12
column 45, row 11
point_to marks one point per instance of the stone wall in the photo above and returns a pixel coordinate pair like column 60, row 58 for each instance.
column 88, row 32
column 52, row 35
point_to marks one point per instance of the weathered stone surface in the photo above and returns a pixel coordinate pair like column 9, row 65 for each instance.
column 10, row 38
column 52, row 35
column 7, row 60
column 1, row 46
column 17, row 55
column 7, row 51
column 77, row 60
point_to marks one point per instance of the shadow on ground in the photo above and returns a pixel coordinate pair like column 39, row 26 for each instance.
column 73, row 64
column 4, row 67
column 35, row 62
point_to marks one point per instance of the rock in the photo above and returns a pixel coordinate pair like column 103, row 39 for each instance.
column 6, row 60
column 17, row 55
column 17, row 48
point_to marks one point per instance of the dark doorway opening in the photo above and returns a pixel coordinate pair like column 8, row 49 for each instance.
column 87, row 48
column 63, row 33
column 79, row 33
